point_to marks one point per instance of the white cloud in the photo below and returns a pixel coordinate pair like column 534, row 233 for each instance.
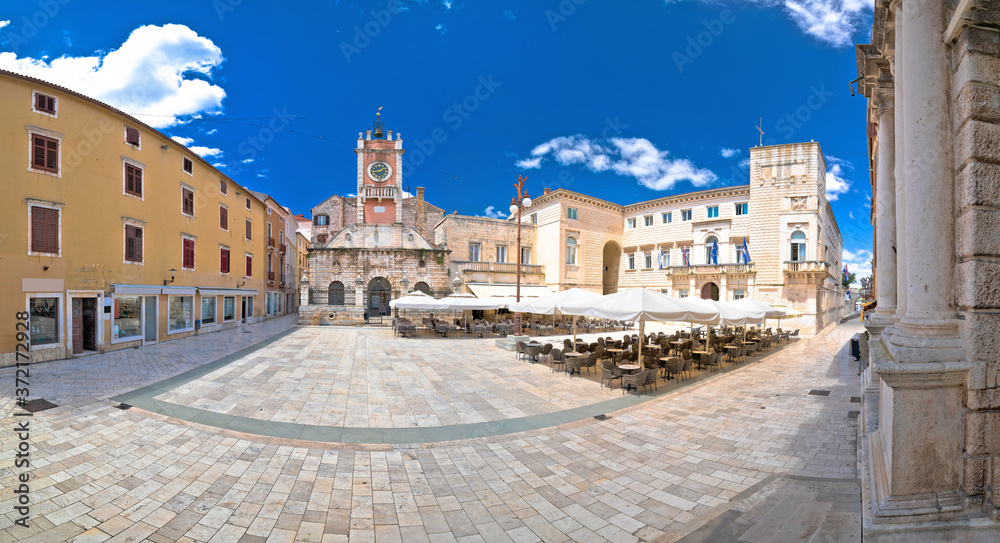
column 836, row 184
column 206, row 151
column 247, row 161
column 857, row 262
column 212, row 131
column 441, row 28
column 146, row 74
column 182, row 140
column 728, row 153
column 509, row 15
column 493, row 213
column 219, row 165
column 831, row 21
column 447, row 4
column 631, row 157
column 4, row 23
column 851, row 215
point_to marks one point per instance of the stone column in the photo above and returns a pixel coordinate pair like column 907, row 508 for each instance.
column 723, row 291
column 929, row 328
column 885, row 213
column 900, row 174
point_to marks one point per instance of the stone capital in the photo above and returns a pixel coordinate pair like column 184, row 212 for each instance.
column 884, row 99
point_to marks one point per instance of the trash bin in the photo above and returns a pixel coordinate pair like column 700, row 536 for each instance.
column 855, row 347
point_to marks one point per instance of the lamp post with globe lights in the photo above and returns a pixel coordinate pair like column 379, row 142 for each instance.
column 516, row 204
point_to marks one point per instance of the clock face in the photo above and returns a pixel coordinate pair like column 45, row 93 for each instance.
column 379, row 171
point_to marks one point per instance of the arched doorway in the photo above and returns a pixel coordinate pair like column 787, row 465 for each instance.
column 710, row 292
column 379, row 294
column 612, row 256
column 335, row 294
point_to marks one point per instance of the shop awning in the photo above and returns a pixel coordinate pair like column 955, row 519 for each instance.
column 487, row 290
column 142, row 290
column 210, row 291
column 178, row 291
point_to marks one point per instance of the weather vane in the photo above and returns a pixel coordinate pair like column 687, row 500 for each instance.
column 758, row 127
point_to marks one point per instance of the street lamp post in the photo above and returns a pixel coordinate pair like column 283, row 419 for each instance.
column 517, row 203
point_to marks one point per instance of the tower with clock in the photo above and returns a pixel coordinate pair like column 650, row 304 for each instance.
column 380, row 161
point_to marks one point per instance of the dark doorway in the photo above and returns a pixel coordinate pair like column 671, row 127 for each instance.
column 710, row 292
column 379, row 294
column 84, row 325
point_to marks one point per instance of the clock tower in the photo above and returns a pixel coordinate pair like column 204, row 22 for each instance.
column 380, row 175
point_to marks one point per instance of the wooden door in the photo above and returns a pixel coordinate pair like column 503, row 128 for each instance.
column 77, row 325
column 90, row 324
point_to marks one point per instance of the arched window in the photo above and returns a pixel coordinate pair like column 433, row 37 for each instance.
column 798, row 247
column 336, row 294
column 711, row 257
column 570, row 251
column 422, row 287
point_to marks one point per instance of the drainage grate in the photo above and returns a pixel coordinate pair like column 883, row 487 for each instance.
column 853, row 414
column 124, row 406
column 602, row 417
column 855, row 399
column 40, row 404
column 819, row 392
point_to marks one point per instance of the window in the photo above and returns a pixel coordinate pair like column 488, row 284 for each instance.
column 224, row 260
column 180, row 313
column 684, row 293
column 501, row 253
column 44, row 230
column 223, row 188
column 666, row 259
column 738, row 294
column 422, row 287
column 713, row 212
column 571, row 213
column 321, row 220
column 249, row 229
column 474, row 252
column 44, row 103
column 668, row 217
column 133, row 243
column 685, row 214
column 44, row 153
column 740, row 256
column 207, row 310
column 268, row 210
column 44, row 320
column 269, row 233
column 228, row 309
column 630, row 223
column 648, row 260
column 525, row 255
column 187, row 260
column 647, row 220
column 127, row 318
column 224, row 217
column 132, row 136
column 798, row 248
column 248, row 203
column 631, row 261
column 187, row 201
column 249, row 300
column 534, row 218
column 743, row 209
column 133, row 180
column 336, row 293
column 711, row 251
column 188, row 165
column 570, row 251
column 249, row 270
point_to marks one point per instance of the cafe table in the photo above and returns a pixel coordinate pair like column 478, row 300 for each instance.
column 700, row 353
column 630, row 368
column 614, row 353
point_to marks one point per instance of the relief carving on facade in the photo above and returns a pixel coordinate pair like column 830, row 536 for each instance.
column 799, row 203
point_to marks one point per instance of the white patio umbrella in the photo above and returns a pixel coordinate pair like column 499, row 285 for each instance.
column 416, row 300
column 468, row 302
column 729, row 314
column 551, row 303
column 641, row 305
column 770, row 312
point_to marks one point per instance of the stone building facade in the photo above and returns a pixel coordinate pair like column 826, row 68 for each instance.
column 783, row 216
column 484, row 252
column 930, row 433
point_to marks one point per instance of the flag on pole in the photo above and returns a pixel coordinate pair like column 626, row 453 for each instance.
column 746, row 252
column 715, row 251
column 684, row 252
column 846, row 275
column 660, row 258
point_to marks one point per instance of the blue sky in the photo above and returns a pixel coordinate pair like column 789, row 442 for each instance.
column 626, row 100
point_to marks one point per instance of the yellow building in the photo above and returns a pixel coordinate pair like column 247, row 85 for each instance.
column 113, row 235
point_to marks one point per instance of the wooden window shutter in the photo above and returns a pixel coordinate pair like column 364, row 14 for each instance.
column 132, row 135
column 133, row 180
column 138, row 244
column 249, row 230
column 188, row 260
column 51, row 154
column 38, row 154
column 44, row 230
column 130, row 243
column 224, row 218
column 224, row 264
column 38, row 229
column 223, row 189
column 249, row 266
column 44, row 153
column 187, row 201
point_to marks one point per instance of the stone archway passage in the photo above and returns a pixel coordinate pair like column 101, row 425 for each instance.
column 379, row 294
column 710, row 292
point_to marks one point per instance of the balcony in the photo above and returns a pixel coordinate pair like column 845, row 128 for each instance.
column 270, row 242
column 282, row 248
column 710, row 269
column 378, row 192
column 270, row 277
column 497, row 267
column 806, row 266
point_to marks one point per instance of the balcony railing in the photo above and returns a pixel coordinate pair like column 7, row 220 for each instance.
column 270, row 277
column 498, row 267
column 698, row 269
column 379, row 192
column 807, row 266
column 282, row 248
column 270, row 242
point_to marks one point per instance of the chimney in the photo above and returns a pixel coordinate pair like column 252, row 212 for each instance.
column 368, row 134
column 547, row 190
column 420, row 198
column 420, row 216
column 388, row 134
